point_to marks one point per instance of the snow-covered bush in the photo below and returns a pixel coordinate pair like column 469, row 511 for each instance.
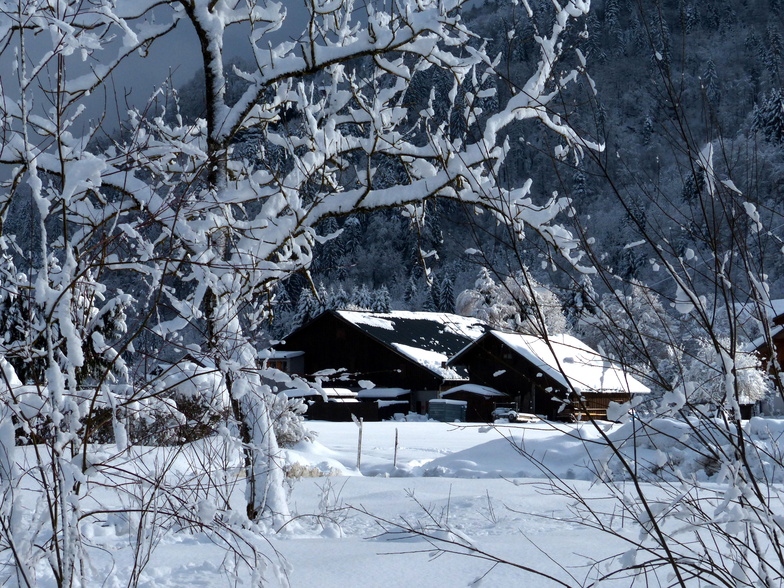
column 287, row 420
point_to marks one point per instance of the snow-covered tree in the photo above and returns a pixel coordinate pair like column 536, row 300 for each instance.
column 518, row 303
column 204, row 232
column 446, row 295
column 634, row 328
column 362, row 297
column 705, row 380
column 381, row 300
column 769, row 117
column 308, row 308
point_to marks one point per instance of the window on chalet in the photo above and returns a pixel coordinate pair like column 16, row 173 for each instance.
column 279, row 364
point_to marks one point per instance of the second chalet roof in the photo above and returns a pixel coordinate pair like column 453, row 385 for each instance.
column 485, row 391
column 568, row 361
column 428, row 338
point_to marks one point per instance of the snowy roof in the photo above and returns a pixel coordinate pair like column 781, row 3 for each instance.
column 280, row 354
column 340, row 393
column 485, row 391
column 378, row 393
column 448, row 401
column 760, row 342
column 776, row 307
column 773, row 308
column 331, row 393
column 775, row 316
column 427, row 338
column 748, row 322
column 569, row 361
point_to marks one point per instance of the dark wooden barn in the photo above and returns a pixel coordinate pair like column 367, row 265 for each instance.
column 539, row 375
column 390, row 350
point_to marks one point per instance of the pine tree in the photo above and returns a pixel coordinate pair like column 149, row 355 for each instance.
column 580, row 186
column 339, row 299
column 381, row 301
column 693, row 186
column 582, row 302
column 362, row 297
column 710, row 83
column 772, row 50
column 446, row 294
column 769, row 117
column 593, row 44
column 328, row 254
column 661, row 43
column 429, row 303
column 351, row 237
column 411, row 292
column 612, row 17
column 307, row 308
column 432, row 299
column 691, row 18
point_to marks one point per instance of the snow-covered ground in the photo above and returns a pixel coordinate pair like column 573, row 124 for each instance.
column 470, row 480
column 407, row 522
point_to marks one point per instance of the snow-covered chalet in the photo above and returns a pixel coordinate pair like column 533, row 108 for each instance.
column 538, row 374
column 396, row 356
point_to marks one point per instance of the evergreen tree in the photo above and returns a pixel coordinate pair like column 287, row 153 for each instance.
column 661, row 43
column 691, row 18
column 411, row 292
column 612, row 12
column 772, row 50
column 710, row 83
column 446, row 295
column 338, row 299
column 322, row 297
column 328, row 254
column 582, row 302
column 593, row 44
column 308, row 308
column 769, row 117
column 693, row 186
column 432, row 300
column 429, row 303
column 283, row 302
column 580, row 186
column 352, row 235
column 381, row 301
column 362, row 297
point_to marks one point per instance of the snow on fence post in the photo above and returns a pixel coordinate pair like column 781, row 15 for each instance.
column 394, row 460
column 358, row 422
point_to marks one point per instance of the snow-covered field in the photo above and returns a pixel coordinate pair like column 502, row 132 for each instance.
column 407, row 522
column 468, row 479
